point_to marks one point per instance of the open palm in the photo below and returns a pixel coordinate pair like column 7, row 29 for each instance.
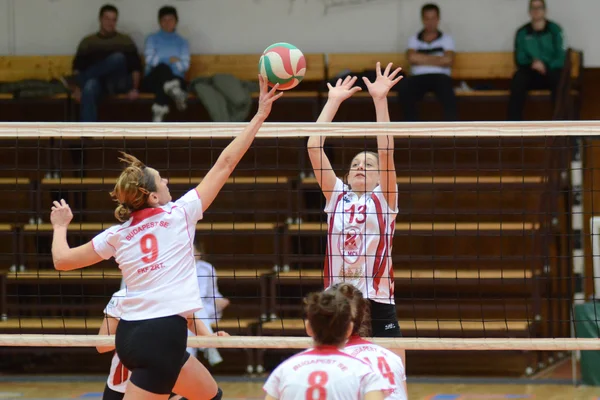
column 384, row 81
column 343, row 89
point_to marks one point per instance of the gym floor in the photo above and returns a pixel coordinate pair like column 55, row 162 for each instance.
column 243, row 388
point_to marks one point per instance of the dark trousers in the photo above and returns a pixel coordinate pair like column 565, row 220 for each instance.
column 155, row 80
column 526, row 79
column 413, row 88
column 109, row 76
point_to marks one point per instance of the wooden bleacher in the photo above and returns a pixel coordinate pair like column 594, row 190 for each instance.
column 474, row 66
column 474, row 230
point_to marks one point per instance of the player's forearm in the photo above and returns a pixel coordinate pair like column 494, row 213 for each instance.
column 60, row 249
column 315, row 143
column 234, row 152
column 198, row 327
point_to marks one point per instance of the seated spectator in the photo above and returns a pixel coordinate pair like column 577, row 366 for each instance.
column 106, row 62
column 167, row 61
column 213, row 301
column 430, row 54
column 539, row 55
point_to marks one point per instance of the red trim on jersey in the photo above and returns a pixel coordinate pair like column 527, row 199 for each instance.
column 327, row 273
column 357, row 341
column 139, row 216
column 391, row 269
column 379, row 260
column 197, row 193
column 327, row 351
column 121, row 374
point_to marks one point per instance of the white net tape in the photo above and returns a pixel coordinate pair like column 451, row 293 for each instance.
column 287, row 342
column 359, row 129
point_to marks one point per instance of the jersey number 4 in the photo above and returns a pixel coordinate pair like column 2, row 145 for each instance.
column 384, row 369
column 149, row 246
column 316, row 389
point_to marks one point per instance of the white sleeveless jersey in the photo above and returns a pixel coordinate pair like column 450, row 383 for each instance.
column 389, row 364
column 154, row 250
column 119, row 375
column 324, row 373
column 359, row 242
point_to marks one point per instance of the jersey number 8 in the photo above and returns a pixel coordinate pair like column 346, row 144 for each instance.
column 317, row 381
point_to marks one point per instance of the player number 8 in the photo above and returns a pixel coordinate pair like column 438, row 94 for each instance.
column 317, row 381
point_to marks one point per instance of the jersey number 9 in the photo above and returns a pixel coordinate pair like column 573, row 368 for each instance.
column 149, row 246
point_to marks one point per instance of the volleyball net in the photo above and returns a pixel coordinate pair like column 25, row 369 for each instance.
column 495, row 243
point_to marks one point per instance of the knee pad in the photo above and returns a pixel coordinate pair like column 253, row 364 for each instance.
column 218, row 395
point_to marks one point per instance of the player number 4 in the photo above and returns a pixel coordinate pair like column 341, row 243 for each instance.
column 384, row 369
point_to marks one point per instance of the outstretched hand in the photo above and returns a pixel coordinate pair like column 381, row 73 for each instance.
column 343, row 89
column 61, row 214
column 267, row 97
column 384, row 82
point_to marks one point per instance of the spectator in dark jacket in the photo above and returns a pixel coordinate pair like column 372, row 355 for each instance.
column 539, row 55
column 107, row 62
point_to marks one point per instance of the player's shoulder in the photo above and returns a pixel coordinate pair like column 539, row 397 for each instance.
column 525, row 29
column 445, row 36
column 553, row 27
column 188, row 197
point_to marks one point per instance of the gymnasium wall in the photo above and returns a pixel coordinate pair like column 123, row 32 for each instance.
column 245, row 26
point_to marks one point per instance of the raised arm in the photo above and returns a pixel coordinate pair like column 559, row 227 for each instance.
column 231, row 156
column 321, row 166
column 64, row 257
column 385, row 144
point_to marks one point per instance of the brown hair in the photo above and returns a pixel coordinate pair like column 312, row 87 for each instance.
column 133, row 187
column 374, row 154
column 361, row 307
column 330, row 314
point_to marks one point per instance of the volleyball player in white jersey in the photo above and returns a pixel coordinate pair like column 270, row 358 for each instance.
column 119, row 374
column 389, row 364
column 362, row 212
column 325, row 372
column 154, row 249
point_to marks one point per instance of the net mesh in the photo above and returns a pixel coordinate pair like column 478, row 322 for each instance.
column 492, row 248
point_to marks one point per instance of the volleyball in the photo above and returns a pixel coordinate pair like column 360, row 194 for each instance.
column 282, row 63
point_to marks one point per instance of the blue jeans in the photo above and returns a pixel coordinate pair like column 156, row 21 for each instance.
column 109, row 76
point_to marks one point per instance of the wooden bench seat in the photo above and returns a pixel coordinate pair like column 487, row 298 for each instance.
column 14, row 181
column 51, row 276
column 236, row 226
column 74, row 324
column 443, row 281
column 442, row 274
column 467, row 66
column 243, row 180
column 309, row 227
column 73, row 227
column 457, row 180
column 473, row 66
column 202, row 226
column 294, row 326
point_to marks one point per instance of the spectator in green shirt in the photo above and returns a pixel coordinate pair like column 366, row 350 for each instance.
column 540, row 57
